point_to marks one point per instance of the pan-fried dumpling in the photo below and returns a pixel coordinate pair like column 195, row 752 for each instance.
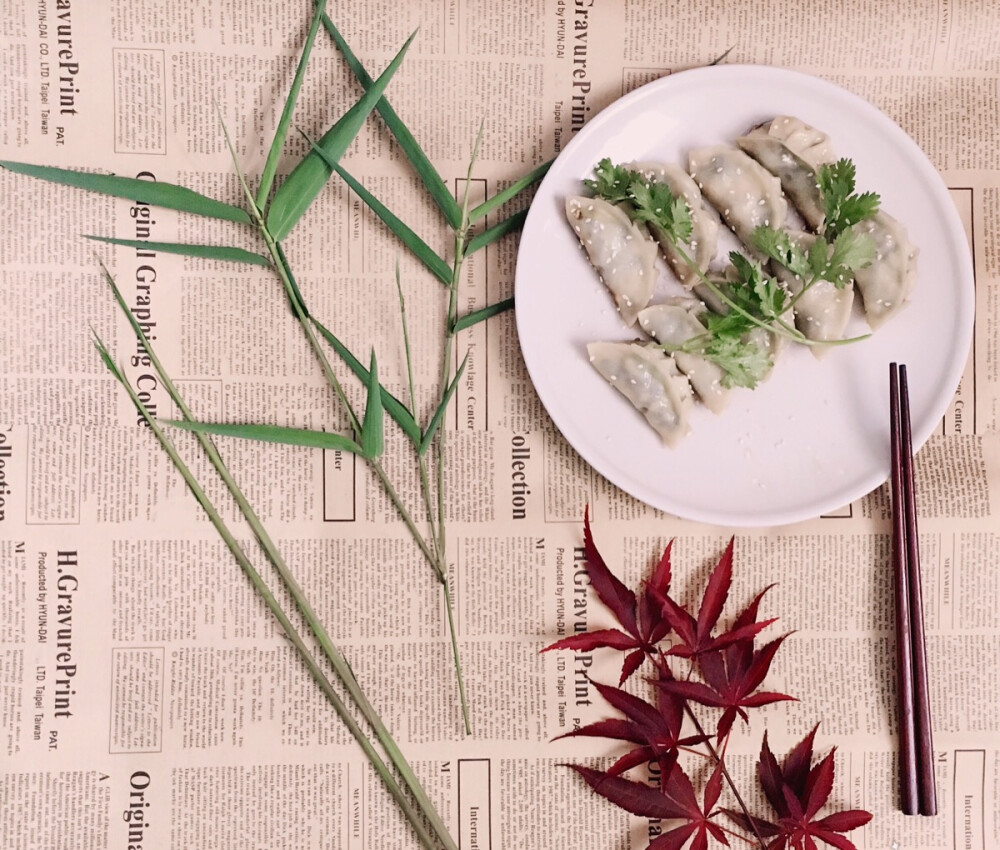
column 704, row 222
column 822, row 313
column 792, row 152
column 886, row 284
column 746, row 194
column 674, row 323
column 808, row 143
column 648, row 378
column 622, row 253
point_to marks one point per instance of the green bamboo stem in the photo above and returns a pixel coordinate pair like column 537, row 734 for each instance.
column 461, row 236
column 449, row 608
column 460, row 243
column 412, row 814
column 330, row 650
column 425, row 490
column 284, row 272
column 425, row 487
column 291, row 290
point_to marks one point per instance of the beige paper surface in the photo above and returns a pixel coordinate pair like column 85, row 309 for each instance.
column 183, row 699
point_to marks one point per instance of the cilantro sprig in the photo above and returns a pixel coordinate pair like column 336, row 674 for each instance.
column 655, row 204
column 611, row 182
column 755, row 299
column 839, row 251
column 822, row 260
column 650, row 202
column 843, row 207
column 745, row 361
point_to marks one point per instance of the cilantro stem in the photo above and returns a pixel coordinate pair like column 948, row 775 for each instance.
column 672, row 215
column 806, row 340
column 777, row 325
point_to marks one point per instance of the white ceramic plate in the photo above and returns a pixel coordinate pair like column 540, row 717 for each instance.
column 814, row 437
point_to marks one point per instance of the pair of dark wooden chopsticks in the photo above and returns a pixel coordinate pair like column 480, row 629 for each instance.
column 918, row 794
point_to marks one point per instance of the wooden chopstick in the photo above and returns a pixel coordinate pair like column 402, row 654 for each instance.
column 918, row 792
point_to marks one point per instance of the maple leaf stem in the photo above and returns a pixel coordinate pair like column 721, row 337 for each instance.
column 692, row 751
column 740, row 835
column 721, row 762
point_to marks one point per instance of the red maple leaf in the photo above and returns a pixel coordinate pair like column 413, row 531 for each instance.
column 695, row 634
column 797, row 792
column 655, row 728
column 732, row 676
column 698, row 824
column 675, row 799
column 642, row 623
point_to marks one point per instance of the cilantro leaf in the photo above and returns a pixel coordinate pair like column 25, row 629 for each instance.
column 748, row 271
column 743, row 360
column 611, row 182
column 651, row 201
column 777, row 245
column 836, row 182
column 731, row 324
column 771, row 297
column 837, row 263
column 818, row 259
column 755, row 292
column 858, row 207
column 852, row 250
column 656, row 204
column 843, row 207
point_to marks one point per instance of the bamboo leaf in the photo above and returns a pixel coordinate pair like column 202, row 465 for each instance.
column 432, row 181
column 211, row 252
column 372, row 430
column 294, row 196
column 438, row 416
column 420, row 249
column 477, row 316
column 281, row 132
column 272, row 434
column 392, row 405
column 156, row 194
column 512, row 191
column 491, row 234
